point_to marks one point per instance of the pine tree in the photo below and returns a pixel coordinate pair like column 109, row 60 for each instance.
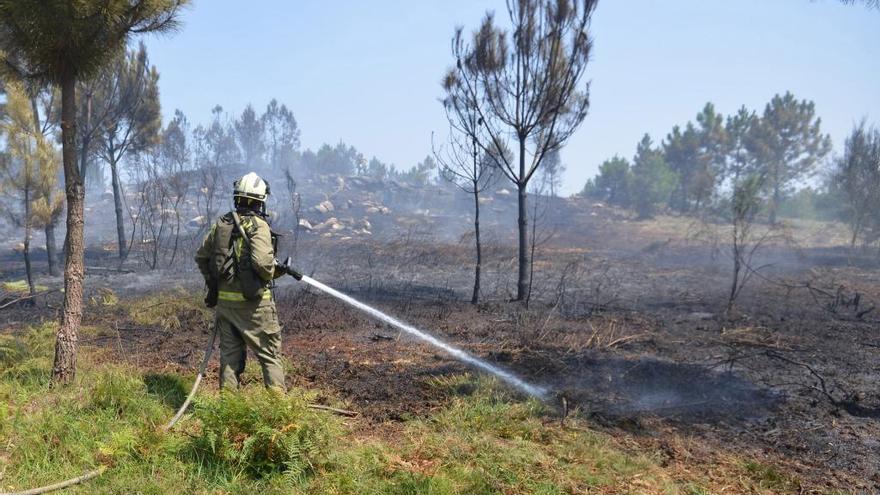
column 530, row 90
column 652, row 180
column 249, row 135
column 857, row 175
column 790, row 144
column 740, row 129
column 30, row 164
column 61, row 42
column 613, row 182
column 697, row 156
column 281, row 136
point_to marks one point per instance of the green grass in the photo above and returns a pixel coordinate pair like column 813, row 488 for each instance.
column 257, row 441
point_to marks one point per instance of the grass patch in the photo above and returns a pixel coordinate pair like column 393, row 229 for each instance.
column 20, row 287
column 769, row 478
column 482, row 441
column 170, row 311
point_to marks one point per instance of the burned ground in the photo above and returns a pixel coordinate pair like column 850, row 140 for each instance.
column 630, row 330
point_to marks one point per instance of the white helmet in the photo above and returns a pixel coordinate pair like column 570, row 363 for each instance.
column 251, row 186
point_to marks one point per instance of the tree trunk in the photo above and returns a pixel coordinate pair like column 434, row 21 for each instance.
column 86, row 139
column 522, row 223
column 117, row 204
column 737, row 258
column 27, row 235
column 774, row 204
column 51, row 247
column 50, row 226
column 735, row 284
column 856, row 227
column 475, row 298
column 532, row 242
column 64, row 367
column 176, row 233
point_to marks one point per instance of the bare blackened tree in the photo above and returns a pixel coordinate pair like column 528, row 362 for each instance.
column 215, row 149
column 530, row 89
column 745, row 204
column 295, row 208
column 129, row 87
column 540, row 188
column 152, row 196
column 462, row 161
column 175, row 163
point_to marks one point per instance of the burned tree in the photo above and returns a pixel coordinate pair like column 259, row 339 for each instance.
column 462, row 161
column 161, row 181
column 214, row 149
column 530, row 90
column 745, row 204
column 249, row 136
column 128, row 93
column 152, row 193
column 176, row 167
column 295, row 208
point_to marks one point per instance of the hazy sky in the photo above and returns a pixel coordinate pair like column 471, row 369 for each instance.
column 368, row 72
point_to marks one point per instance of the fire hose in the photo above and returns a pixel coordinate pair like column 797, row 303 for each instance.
column 209, row 350
column 461, row 355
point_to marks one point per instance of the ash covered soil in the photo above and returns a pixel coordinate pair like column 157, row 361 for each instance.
column 631, row 335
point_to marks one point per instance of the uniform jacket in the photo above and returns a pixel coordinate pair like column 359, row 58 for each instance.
column 262, row 258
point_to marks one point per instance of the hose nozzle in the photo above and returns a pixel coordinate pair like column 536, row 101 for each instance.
column 286, row 268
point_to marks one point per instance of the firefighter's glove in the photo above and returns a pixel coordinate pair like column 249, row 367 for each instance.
column 211, row 297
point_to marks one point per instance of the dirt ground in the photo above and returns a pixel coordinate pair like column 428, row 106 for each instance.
column 634, row 336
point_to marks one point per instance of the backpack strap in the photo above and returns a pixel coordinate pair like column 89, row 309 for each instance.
column 237, row 220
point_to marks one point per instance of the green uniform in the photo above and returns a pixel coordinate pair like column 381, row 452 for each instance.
column 244, row 323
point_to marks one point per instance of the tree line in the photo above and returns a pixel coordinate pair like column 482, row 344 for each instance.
column 154, row 170
column 782, row 152
column 696, row 168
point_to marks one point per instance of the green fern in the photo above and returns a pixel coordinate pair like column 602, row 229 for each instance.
column 262, row 433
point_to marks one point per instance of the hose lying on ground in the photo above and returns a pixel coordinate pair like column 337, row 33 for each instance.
column 100, row 469
column 179, row 414
column 192, row 393
column 61, row 484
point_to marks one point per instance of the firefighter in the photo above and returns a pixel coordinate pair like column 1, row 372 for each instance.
column 237, row 260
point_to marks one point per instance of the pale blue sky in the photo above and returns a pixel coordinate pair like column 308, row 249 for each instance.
column 368, row 72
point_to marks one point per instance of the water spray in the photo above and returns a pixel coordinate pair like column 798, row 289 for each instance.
column 459, row 354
